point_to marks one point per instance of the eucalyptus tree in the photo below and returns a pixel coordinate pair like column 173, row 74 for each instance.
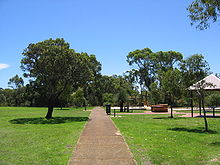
column 167, row 60
column 55, row 68
column 204, row 12
column 148, row 64
column 30, row 94
column 171, row 85
column 2, row 99
column 78, row 98
column 17, row 84
column 194, row 68
column 143, row 63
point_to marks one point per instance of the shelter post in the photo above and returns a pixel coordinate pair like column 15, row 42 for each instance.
column 200, row 107
column 213, row 110
column 191, row 95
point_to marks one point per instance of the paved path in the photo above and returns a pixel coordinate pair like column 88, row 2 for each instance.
column 101, row 143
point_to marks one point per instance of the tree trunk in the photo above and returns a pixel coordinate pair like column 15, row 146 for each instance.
column 204, row 115
column 213, row 111
column 31, row 102
column 121, row 106
column 128, row 107
column 200, row 108
column 49, row 112
column 171, row 112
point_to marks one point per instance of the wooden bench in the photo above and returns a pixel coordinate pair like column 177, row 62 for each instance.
column 159, row 108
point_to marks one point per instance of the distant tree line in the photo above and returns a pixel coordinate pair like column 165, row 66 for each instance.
column 59, row 76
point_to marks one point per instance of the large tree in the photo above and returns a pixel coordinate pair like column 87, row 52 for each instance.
column 171, row 86
column 17, row 84
column 55, row 68
column 143, row 64
column 194, row 68
column 105, row 89
column 203, row 12
column 148, row 64
column 167, row 60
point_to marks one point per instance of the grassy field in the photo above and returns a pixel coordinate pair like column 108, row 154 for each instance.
column 157, row 139
column 27, row 138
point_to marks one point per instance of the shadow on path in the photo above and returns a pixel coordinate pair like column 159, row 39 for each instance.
column 54, row 120
column 192, row 130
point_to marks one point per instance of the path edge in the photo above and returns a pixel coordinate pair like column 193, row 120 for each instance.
column 74, row 149
column 123, row 140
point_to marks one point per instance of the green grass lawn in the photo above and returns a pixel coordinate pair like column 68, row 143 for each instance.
column 158, row 139
column 27, row 138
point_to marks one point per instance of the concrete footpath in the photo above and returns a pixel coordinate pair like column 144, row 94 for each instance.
column 101, row 143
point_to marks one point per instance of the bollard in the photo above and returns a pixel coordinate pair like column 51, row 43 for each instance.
column 114, row 112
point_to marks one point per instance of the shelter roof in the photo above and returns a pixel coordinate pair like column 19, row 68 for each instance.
column 210, row 82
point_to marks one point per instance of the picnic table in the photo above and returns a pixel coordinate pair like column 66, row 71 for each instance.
column 159, row 108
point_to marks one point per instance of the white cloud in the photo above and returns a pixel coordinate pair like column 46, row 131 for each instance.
column 3, row 66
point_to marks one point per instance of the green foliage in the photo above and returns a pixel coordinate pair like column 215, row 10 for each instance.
column 18, row 92
column 99, row 91
column 171, row 83
column 147, row 64
column 122, row 95
column 78, row 98
column 165, row 75
column 108, row 98
column 194, row 68
column 56, row 69
column 2, row 99
column 204, row 12
column 155, row 95
column 16, row 82
column 9, row 95
column 143, row 63
column 166, row 60
column 213, row 99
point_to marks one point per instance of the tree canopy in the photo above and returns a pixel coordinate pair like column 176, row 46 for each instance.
column 203, row 12
column 147, row 64
column 55, row 68
column 16, row 82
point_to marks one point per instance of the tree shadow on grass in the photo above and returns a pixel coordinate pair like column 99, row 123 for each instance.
column 169, row 118
column 65, row 109
column 208, row 116
column 54, row 120
column 200, row 130
column 215, row 143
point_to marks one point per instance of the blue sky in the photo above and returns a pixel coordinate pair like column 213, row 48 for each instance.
column 110, row 29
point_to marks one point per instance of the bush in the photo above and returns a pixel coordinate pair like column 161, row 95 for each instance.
column 213, row 99
column 107, row 98
column 78, row 98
